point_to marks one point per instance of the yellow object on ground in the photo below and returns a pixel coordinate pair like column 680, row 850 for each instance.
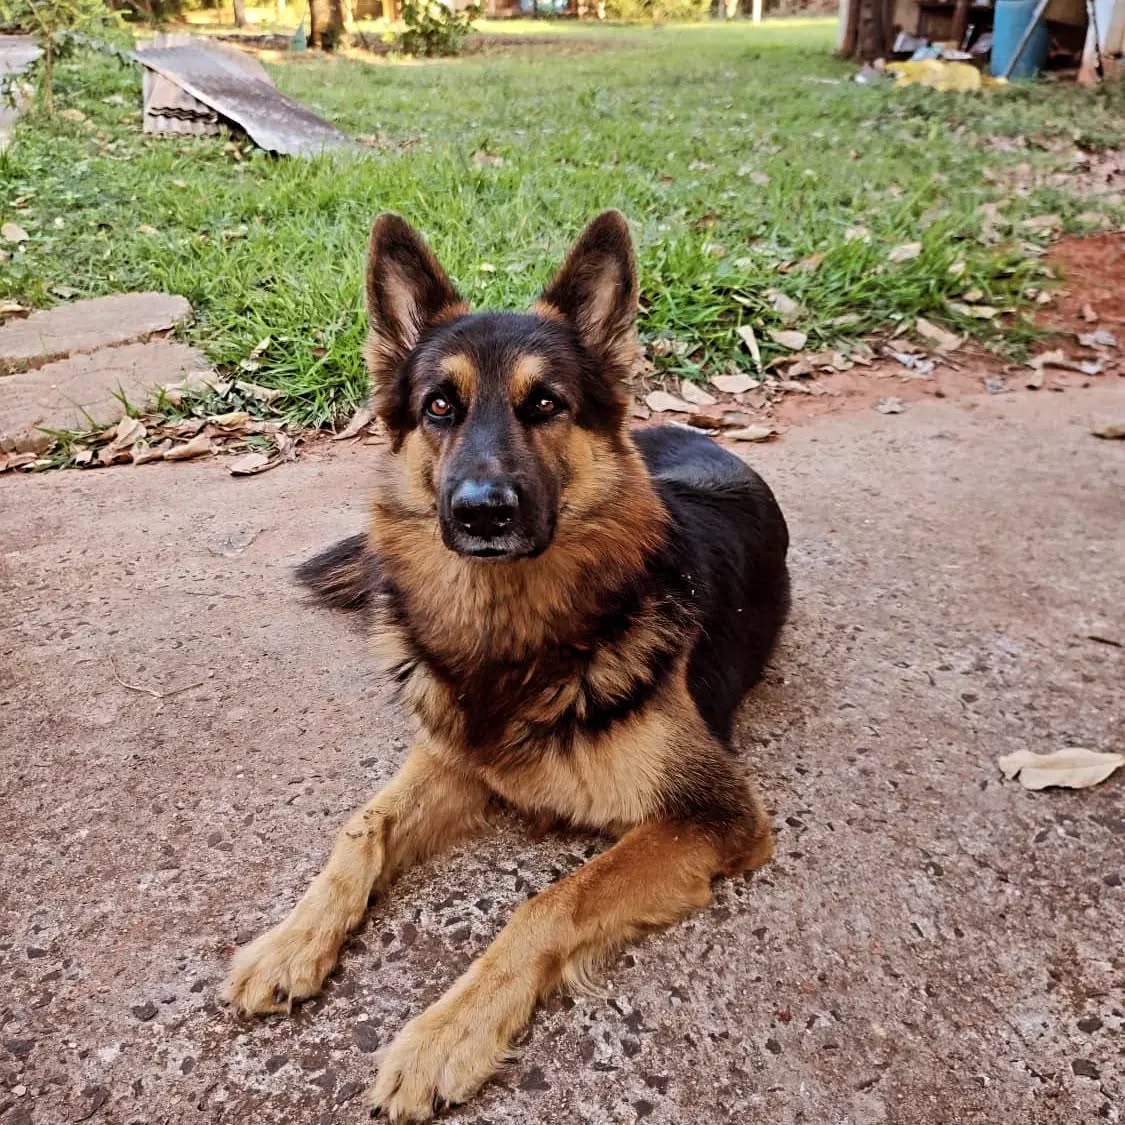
column 958, row 77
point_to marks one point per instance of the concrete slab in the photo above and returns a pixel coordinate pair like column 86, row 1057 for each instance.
column 65, row 395
column 933, row 946
column 84, row 326
column 17, row 53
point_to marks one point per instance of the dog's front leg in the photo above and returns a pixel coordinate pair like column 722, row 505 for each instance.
column 655, row 874
column 426, row 806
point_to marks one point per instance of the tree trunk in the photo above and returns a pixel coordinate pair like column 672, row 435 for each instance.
column 239, row 13
column 326, row 24
column 49, row 75
column 871, row 37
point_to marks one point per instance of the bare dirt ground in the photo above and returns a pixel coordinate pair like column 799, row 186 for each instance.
column 933, row 944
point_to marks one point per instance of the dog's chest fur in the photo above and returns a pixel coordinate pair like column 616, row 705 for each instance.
column 570, row 716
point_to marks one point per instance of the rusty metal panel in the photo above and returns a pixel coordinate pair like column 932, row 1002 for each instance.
column 193, row 85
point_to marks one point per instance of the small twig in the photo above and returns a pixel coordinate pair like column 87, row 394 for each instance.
column 1105, row 640
column 147, row 690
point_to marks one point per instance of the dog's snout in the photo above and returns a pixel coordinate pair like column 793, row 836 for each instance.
column 485, row 508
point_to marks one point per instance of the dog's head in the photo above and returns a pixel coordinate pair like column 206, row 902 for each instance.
column 503, row 421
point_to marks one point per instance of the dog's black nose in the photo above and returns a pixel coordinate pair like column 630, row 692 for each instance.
column 485, row 508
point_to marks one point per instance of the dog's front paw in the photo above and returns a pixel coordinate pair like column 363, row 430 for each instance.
column 439, row 1059
column 284, row 965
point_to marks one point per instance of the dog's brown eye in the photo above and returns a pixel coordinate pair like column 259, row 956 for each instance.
column 544, row 406
column 439, row 408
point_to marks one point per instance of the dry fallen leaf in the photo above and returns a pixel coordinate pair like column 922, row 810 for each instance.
column 127, row 432
column 662, row 401
column 1072, row 768
column 234, row 420
column 943, row 340
column 733, row 384
column 695, row 394
column 1034, row 381
column 484, row 159
column 13, row 232
column 759, row 178
column 1042, row 222
column 757, row 432
column 746, row 333
column 905, row 253
column 1100, row 338
column 286, row 446
column 1056, row 357
column 146, row 228
column 13, row 308
column 783, row 304
column 198, row 445
column 257, row 391
column 250, row 463
column 1089, row 314
column 789, row 338
column 889, row 405
column 1111, row 431
column 358, row 421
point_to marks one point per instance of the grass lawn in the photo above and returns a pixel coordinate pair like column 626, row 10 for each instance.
column 747, row 167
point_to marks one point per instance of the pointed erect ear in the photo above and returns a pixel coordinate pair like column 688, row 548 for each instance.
column 596, row 290
column 406, row 291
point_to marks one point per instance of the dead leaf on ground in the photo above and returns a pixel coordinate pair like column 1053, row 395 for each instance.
column 199, row 445
column 1072, row 768
column 127, row 432
column 484, row 159
column 857, row 234
column 733, row 384
column 1089, row 314
column 662, row 401
column 783, row 304
column 257, row 391
column 942, row 339
column 695, row 394
column 14, row 233
column 757, row 432
column 358, row 421
column 250, row 463
column 889, row 405
column 142, row 453
column 1100, row 338
column 1056, row 357
column 746, row 334
column 13, row 308
column 905, row 252
column 978, row 312
column 286, row 446
column 1042, row 223
column 234, row 420
column 1111, row 431
column 64, row 291
column 789, row 338
column 1034, row 381
column 235, row 544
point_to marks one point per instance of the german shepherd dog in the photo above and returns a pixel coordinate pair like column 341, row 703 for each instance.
column 572, row 612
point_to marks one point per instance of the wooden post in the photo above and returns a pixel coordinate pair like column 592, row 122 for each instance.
column 960, row 22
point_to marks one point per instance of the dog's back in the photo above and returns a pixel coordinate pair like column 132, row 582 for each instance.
column 729, row 536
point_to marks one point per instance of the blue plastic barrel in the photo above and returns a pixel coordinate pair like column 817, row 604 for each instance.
column 1009, row 24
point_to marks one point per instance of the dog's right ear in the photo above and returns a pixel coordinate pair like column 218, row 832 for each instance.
column 407, row 291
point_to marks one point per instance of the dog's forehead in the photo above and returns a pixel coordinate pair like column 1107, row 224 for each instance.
column 508, row 353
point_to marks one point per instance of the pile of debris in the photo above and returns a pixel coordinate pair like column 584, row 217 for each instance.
column 198, row 86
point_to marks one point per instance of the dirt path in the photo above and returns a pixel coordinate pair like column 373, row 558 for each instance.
column 932, row 945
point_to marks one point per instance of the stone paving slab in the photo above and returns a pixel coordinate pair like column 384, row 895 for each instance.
column 67, row 394
column 85, row 326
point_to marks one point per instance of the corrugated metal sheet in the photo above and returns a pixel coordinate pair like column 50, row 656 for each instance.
column 196, row 86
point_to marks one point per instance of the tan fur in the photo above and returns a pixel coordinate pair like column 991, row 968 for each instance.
column 463, row 373
column 425, row 808
column 528, row 370
column 656, row 874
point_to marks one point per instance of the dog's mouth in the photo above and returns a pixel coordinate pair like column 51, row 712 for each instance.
column 507, row 549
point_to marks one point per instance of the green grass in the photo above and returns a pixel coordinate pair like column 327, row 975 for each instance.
column 675, row 126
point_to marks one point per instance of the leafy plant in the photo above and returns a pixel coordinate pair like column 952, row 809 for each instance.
column 434, row 30
column 58, row 25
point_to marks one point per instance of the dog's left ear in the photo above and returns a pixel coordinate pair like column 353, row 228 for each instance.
column 596, row 290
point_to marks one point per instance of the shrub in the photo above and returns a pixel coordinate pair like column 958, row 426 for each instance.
column 659, row 11
column 432, row 29
column 58, row 25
